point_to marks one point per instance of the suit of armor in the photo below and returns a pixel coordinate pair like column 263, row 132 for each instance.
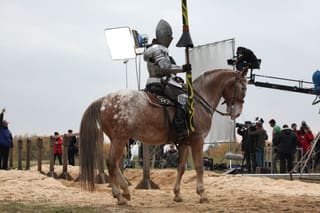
column 162, row 75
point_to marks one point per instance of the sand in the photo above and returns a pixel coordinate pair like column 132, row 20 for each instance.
column 226, row 193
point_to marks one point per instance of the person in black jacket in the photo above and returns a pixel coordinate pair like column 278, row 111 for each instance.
column 287, row 143
column 246, row 58
column 248, row 147
column 72, row 148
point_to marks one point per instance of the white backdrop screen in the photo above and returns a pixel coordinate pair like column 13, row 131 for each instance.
column 209, row 57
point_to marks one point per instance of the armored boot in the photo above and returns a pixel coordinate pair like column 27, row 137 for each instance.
column 180, row 123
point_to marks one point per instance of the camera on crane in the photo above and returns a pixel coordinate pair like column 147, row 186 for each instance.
column 231, row 61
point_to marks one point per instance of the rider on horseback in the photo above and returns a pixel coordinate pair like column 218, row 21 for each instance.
column 162, row 75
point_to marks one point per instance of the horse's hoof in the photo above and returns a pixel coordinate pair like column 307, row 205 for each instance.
column 204, row 200
column 122, row 202
column 178, row 199
column 127, row 196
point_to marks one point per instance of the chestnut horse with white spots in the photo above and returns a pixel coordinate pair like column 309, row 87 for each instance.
column 130, row 114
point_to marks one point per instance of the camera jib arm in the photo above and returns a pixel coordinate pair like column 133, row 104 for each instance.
column 299, row 88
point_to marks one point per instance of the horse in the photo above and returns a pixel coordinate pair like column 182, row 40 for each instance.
column 126, row 114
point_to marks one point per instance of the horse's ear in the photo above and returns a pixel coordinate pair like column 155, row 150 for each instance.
column 244, row 72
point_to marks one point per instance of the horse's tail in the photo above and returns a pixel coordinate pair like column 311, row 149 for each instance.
column 90, row 134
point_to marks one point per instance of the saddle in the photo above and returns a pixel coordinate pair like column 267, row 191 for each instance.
column 158, row 99
column 163, row 102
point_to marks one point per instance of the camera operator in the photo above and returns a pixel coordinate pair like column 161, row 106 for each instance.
column 246, row 59
column 260, row 135
column 248, row 145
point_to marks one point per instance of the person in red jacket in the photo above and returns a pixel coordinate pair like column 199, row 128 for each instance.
column 57, row 148
column 307, row 136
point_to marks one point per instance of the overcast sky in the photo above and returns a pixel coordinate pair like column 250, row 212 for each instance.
column 54, row 59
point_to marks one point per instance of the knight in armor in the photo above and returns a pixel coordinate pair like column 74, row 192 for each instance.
column 162, row 75
column 246, row 58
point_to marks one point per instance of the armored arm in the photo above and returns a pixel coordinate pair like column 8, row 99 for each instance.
column 159, row 62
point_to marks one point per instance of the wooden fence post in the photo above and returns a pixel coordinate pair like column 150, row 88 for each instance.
column 28, row 154
column 64, row 174
column 51, row 173
column 39, row 145
column 19, row 154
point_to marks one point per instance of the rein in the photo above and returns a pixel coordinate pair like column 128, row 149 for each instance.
column 207, row 106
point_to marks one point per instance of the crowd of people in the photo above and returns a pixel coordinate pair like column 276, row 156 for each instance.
column 285, row 141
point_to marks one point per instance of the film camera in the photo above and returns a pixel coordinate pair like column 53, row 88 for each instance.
column 252, row 65
column 231, row 61
column 249, row 125
column 246, row 124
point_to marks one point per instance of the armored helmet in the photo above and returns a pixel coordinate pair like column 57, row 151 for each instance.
column 164, row 33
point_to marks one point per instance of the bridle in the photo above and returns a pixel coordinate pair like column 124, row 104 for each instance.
column 231, row 101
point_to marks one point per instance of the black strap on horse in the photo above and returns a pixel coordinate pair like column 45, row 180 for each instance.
column 207, row 106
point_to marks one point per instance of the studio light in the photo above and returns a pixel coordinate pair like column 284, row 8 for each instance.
column 121, row 43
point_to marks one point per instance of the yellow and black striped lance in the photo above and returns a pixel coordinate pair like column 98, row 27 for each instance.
column 186, row 41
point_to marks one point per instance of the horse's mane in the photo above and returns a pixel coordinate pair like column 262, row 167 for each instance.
column 201, row 83
column 198, row 82
column 201, row 79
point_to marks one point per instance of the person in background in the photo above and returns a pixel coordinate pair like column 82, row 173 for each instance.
column 261, row 136
column 72, row 148
column 57, row 148
column 130, row 143
column 316, row 82
column 297, row 132
column 171, row 157
column 248, row 147
column 287, row 143
column 275, row 133
column 5, row 141
column 307, row 137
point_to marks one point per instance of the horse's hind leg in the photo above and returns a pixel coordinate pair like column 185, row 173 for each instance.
column 124, row 186
column 183, row 154
column 115, row 173
column 197, row 149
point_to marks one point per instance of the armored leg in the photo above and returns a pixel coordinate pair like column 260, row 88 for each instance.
column 180, row 122
column 180, row 99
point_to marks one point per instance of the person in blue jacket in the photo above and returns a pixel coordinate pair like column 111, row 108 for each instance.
column 316, row 82
column 5, row 142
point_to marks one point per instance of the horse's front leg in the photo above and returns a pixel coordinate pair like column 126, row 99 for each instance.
column 183, row 154
column 197, row 149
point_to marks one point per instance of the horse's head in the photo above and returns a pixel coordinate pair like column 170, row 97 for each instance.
column 234, row 94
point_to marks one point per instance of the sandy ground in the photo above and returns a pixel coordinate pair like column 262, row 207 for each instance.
column 226, row 193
